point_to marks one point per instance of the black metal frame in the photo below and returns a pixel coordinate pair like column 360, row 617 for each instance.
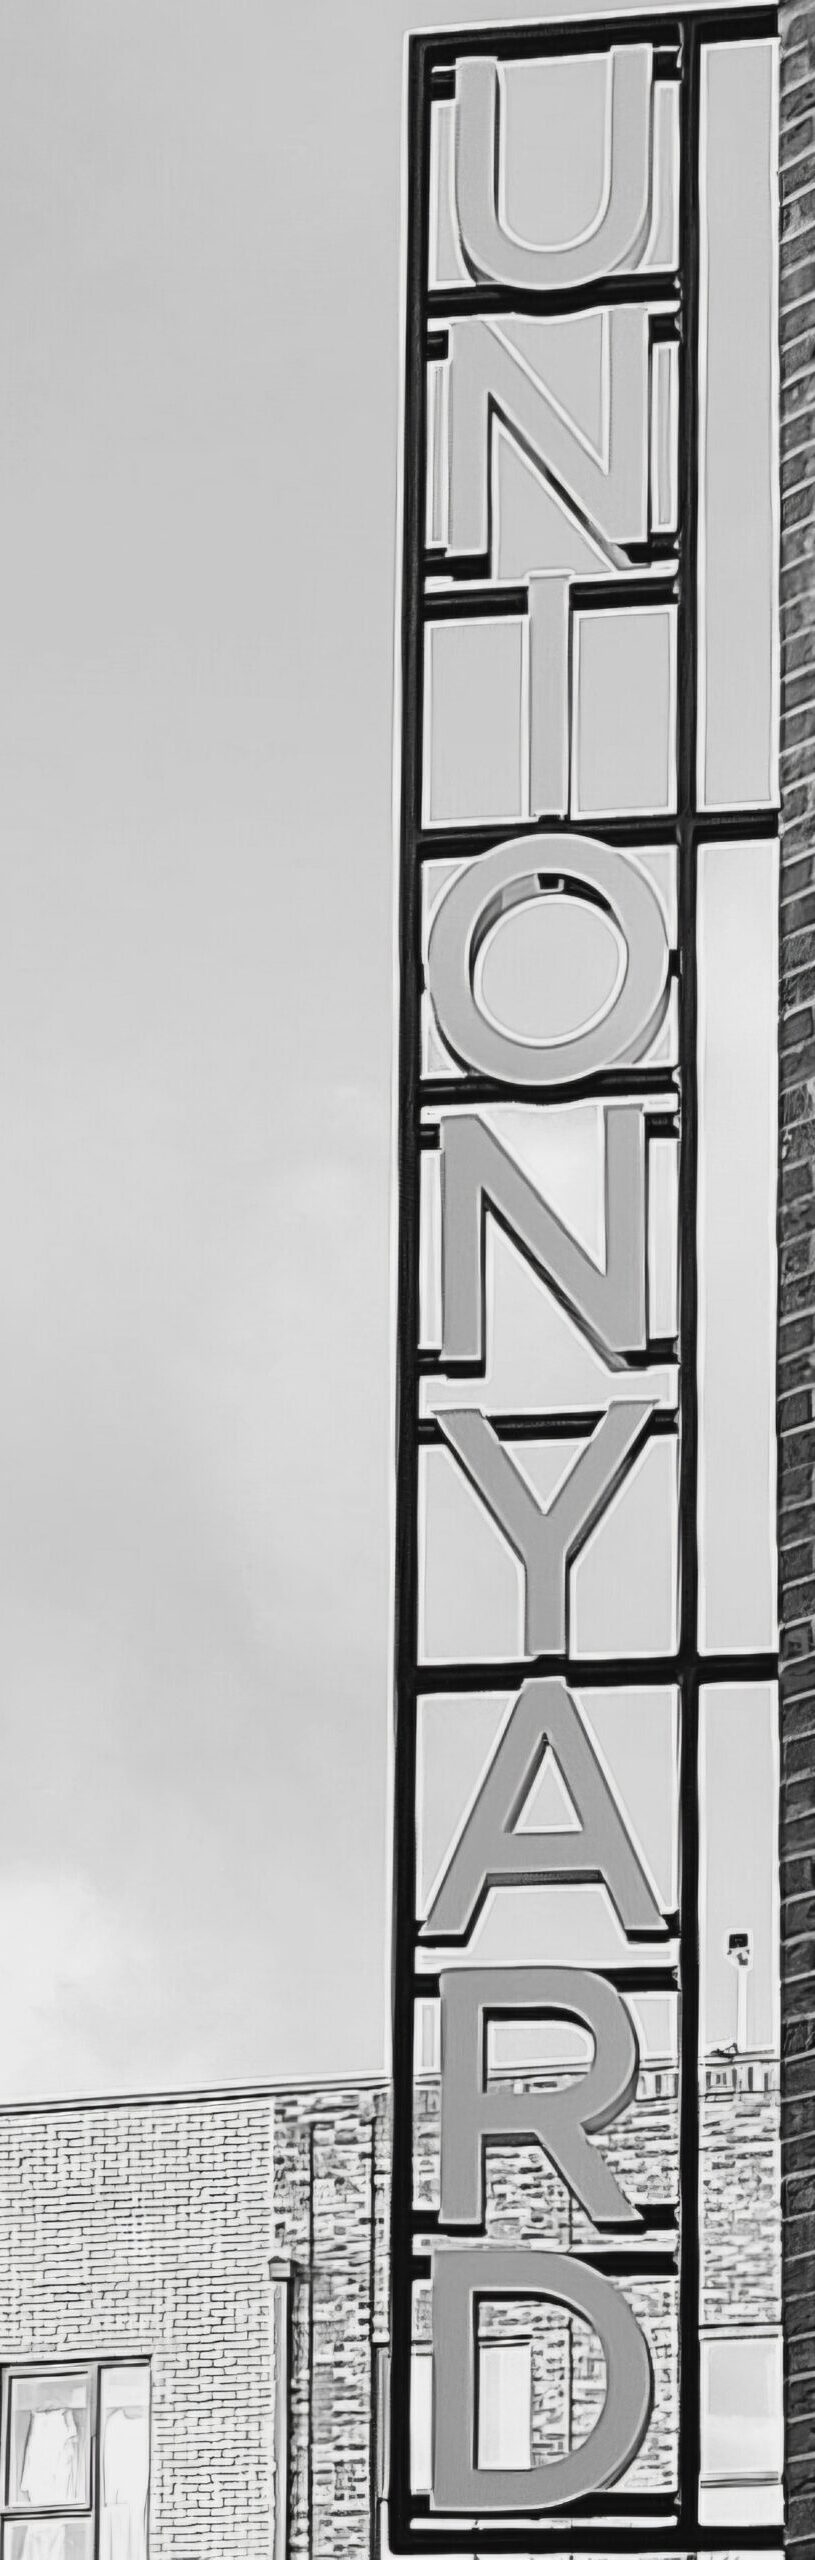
column 613, row 2522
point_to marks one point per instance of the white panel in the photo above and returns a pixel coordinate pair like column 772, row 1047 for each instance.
column 421, row 2401
column 738, row 1778
column 505, row 2404
column 737, row 948
column 445, row 262
column 550, row 966
column 625, row 1582
column 738, row 459
column 624, row 720
column 742, row 2426
column 662, row 246
column 663, row 1308
column 435, row 475
column 556, row 153
column 664, row 424
column 474, row 725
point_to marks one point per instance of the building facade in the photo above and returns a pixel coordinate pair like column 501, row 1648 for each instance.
column 210, row 2274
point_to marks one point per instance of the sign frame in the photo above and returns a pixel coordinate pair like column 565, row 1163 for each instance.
column 613, row 2522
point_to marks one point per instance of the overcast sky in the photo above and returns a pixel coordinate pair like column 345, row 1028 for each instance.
column 199, row 376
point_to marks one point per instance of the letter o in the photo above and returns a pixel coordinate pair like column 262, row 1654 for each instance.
column 512, row 875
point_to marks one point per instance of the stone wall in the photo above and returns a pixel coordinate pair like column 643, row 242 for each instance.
column 796, row 1375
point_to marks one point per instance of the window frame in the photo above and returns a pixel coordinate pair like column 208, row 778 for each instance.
column 84, row 2511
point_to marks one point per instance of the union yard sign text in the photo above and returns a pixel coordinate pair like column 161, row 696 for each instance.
column 587, row 971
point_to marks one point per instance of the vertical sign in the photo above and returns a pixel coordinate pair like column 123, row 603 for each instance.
column 585, row 1585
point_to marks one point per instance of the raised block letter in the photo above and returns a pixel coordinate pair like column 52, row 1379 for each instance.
column 464, row 2276
column 477, row 1174
column 490, row 1851
column 494, row 254
column 605, row 489
column 511, row 875
column 559, row 2119
column 547, row 1542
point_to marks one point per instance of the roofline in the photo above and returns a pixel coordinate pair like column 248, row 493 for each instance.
column 222, row 2093
column 249, row 2092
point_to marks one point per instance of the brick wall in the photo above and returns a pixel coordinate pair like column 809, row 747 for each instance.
column 146, row 2228
column 796, row 1377
column 331, row 2170
column 149, row 2229
column 330, row 2181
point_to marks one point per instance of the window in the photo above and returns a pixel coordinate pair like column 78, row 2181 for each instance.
column 75, row 2462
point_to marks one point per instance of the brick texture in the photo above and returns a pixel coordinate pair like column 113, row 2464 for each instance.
column 149, row 2228
column 330, row 2184
column 146, row 2229
column 331, row 2156
column 796, row 1343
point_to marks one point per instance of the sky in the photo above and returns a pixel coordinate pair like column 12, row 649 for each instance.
column 199, row 392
